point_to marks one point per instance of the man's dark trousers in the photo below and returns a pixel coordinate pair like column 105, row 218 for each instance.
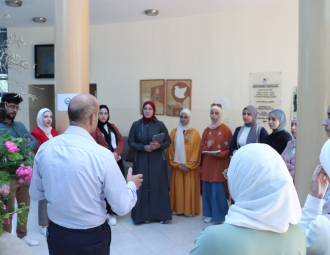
column 63, row 241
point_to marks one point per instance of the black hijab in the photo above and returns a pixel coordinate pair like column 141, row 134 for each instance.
column 107, row 136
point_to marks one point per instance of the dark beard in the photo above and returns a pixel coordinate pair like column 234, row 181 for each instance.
column 9, row 117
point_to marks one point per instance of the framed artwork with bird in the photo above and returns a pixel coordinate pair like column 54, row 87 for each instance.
column 178, row 96
column 153, row 90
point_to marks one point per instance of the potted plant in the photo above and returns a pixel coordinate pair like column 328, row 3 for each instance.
column 16, row 160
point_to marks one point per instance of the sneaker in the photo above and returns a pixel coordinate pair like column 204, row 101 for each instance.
column 163, row 222
column 174, row 213
column 190, row 215
column 208, row 220
column 44, row 231
column 113, row 220
column 29, row 241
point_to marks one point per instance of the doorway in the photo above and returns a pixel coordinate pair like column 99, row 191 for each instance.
column 46, row 99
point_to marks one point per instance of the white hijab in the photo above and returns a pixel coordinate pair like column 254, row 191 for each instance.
column 325, row 157
column 214, row 125
column 260, row 184
column 41, row 125
column 180, row 151
column 325, row 162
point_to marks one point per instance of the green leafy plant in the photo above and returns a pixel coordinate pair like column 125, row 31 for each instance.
column 6, row 212
column 11, row 161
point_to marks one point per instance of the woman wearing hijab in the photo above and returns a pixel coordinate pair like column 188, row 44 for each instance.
column 279, row 138
column 251, row 132
column 264, row 218
column 43, row 133
column 326, row 123
column 108, row 136
column 317, row 226
column 289, row 153
column 215, row 144
column 184, row 156
column 153, row 203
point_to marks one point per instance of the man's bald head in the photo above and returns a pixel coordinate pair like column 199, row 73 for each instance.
column 81, row 108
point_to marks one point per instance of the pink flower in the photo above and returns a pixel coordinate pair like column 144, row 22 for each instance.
column 7, row 221
column 11, row 147
column 21, row 181
column 9, row 144
column 0, row 201
column 27, row 179
column 4, row 207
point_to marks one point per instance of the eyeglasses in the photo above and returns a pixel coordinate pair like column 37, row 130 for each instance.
column 14, row 107
column 184, row 117
column 219, row 105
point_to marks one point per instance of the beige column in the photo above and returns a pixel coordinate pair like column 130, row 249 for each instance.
column 313, row 89
column 71, row 52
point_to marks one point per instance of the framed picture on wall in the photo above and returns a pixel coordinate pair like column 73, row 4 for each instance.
column 178, row 96
column 153, row 90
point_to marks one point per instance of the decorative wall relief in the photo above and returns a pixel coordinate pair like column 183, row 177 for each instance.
column 153, row 90
column 178, row 96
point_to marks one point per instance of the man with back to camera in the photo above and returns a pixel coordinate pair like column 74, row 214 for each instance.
column 20, row 192
column 75, row 174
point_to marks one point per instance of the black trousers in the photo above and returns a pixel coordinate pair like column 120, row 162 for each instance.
column 63, row 241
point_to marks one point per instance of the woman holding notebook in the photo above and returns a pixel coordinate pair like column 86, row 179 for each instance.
column 153, row 203
column 215, row 144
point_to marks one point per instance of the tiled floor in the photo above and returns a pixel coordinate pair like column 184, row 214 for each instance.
column 175, row 238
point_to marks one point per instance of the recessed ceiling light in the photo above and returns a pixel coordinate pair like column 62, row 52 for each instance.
column 39, row 20
column 151, row 12
column 14, row 3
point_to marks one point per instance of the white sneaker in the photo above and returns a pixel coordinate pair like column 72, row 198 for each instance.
column 190, row 215
column 208, row 220
column 174, row 213
column 29, row 241
column 113, row 220
column 44, row 231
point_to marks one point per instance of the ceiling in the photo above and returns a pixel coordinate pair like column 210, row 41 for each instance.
column 119, row 11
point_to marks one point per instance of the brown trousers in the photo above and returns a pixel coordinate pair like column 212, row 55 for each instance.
column 21, row 193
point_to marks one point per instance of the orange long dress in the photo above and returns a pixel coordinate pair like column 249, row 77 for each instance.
column 185, row 195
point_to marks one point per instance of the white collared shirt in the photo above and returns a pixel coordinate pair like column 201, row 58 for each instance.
column 75, row 174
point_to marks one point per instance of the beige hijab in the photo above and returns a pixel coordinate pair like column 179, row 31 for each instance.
column 214, row 125
column 180, row 151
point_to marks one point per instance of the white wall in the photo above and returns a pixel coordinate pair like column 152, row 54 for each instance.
column 217, row 51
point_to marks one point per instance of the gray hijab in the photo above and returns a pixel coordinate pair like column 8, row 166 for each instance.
column 282, row 119
column 252, row 137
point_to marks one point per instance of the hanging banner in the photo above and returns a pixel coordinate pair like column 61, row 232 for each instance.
column 265, row 93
